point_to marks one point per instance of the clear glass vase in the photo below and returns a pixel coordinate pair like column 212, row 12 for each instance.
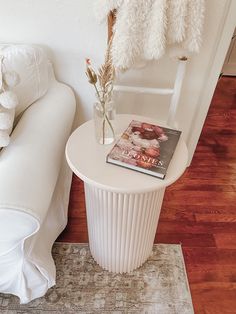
column 104, row 122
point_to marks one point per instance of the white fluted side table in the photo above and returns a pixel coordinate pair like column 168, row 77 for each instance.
column 122, row 205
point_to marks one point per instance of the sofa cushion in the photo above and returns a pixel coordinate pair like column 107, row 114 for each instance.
column 31, row 64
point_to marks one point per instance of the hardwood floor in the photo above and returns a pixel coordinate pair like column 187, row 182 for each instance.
column 199, row 211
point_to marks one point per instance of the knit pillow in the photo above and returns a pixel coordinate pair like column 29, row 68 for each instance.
column 31, row 64
column 8, row 103
column 23, row 80
column 6, row 123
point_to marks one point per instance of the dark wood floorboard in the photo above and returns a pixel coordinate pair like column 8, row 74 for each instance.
column 199, row 210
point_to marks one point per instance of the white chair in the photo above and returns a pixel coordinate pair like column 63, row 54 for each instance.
column 175, row 91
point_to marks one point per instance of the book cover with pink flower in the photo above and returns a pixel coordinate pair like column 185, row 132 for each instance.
column 145, row 147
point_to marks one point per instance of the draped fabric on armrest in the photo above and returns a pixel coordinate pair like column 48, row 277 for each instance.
column 15, row 226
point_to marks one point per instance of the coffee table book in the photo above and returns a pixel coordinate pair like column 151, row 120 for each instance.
column 146, row 148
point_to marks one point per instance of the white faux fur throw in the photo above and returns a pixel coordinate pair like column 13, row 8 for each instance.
column 144, row 28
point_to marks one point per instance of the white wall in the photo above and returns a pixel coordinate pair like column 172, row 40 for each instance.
column 69, row 29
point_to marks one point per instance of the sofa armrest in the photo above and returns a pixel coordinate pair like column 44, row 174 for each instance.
column 30, row 165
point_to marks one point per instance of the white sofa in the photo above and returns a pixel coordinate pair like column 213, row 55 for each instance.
column 34, row 177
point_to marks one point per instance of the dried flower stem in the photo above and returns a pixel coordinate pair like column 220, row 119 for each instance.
column 105, row 79
column 105, row 117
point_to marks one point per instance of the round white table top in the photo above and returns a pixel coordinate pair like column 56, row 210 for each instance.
column 87, row 159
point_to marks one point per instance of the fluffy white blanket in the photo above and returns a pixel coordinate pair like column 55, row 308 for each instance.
column 145, row 28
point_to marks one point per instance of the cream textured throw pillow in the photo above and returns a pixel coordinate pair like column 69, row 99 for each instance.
column 31, row 64
column 23, row 80
column 8, row 103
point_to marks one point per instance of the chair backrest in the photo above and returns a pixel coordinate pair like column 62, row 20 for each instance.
column 175, row 91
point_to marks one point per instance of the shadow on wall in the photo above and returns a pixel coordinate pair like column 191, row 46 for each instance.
column 80, row 115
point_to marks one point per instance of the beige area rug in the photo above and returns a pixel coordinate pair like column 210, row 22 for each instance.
column 160, row 286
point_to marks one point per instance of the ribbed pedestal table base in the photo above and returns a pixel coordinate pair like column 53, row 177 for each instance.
column 121, row 227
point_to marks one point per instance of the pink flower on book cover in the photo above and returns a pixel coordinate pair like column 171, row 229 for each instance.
column 148, row 137
column 142, row 142
column 141, row 147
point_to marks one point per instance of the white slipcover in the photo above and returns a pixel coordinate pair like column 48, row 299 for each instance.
column 30, row 63
column 34, row 193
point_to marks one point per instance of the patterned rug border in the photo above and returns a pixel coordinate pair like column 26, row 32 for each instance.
column 155, row 244
column 160, row 285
